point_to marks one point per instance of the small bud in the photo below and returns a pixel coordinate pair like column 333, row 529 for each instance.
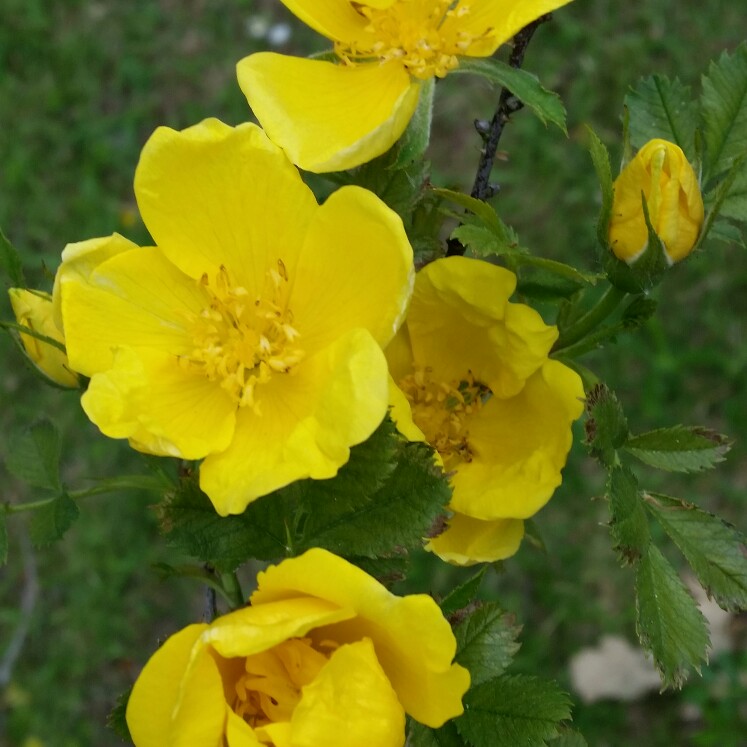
column 33, row 309
column 661, row 175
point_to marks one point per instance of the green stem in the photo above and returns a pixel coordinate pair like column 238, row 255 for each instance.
column 592, row 341
column 609, row 301
column 232, row 589
column 17, row 508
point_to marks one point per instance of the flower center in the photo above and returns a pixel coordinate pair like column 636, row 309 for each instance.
column 270, row 687
column 423, row 35
column 442, row 410
column 239, row 341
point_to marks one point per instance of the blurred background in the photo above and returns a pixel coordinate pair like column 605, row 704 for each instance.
column 84, row 83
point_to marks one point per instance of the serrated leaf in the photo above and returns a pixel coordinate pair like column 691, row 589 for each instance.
column 714, row 549
column 639, row 311
column 50, row 522
column 415, row 139
column 668, row 620
column 10, row 264
column 722, row 230
column 569, row 738
column 522, row 84
column 734, row 204
column 662, row 108
column 3, row 537
column 463, row 595
column 117, row 719
column 513, row 711
column 479, row 207
column 33, row 455
column 679, row 448
column 486, row 642
column 483, row 241
column 600, row 157
column 629, row 524
column 606, row 426
column 724, row 107
column 423, row 736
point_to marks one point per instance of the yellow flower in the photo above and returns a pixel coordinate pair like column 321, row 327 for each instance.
column 661, row 173
column 251, row 334
column 34, row 309
column 474, row 380
column 330, row 117
column 324, row 656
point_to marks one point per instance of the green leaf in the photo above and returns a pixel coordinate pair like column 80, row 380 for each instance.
column 606, row 425
column 3, row 537
column 416, row 138
column 662, row 108
column 463, row 595
column 513, row 711
column 728, row 233
column 522, row 84
column 10, row 264
column 629, row 525
column 386, row 570
column 49, row 523
column 669, row 623
column 569, row 738
column 638, row 312
column 734, row 204
column 480, row 208
column 419, row 735
column 714, row 549
column 33, row 455
column 724, row 106
column 600, row 157
column 483, row 241
column 486, row 642
column 117, row 720
column 679, row 448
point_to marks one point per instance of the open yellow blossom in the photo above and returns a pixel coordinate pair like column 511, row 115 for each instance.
column 333, row 116
column 251, row 334
column 474, row 380
column 34, row 309
column 324, row 656
column 661, row 174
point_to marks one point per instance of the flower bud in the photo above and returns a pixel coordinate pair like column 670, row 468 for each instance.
column 661, row 173
column 33, row 309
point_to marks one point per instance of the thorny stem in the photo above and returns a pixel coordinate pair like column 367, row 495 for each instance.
column 507, row 105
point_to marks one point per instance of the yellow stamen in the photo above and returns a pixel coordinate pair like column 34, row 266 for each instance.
column 242, row 342
column 423, row 35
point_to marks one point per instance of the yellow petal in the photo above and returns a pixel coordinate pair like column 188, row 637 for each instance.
column 156, row 690
column 308, row 421
column 494, row 22
column 413, row 641
column 259, row 627
column 350, row 702
column 335, row 19
column 401, row 412
column 355, row 270
column 239, row 733
column 328, row 117
column 467, row 541
column 215, row 195
column 460, row 319
column 161, row 408
column 136, row 299
column 79, row 260
column 34, row 309
column 519, row 447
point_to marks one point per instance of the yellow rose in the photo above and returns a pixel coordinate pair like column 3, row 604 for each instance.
column 34, row 309
column 333, row 116
column 324, row 656
column 660, row 174
column 471, row 376
column 251, row 335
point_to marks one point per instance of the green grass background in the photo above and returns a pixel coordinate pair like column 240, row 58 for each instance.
column 82, row 85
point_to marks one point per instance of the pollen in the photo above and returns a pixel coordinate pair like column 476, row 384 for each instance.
column 423, row 35
column 242, row 342
column 442, row 410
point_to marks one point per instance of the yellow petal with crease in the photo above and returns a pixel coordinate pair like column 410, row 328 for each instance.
column 214, row 195
column 467, row 541
column 335, row 19
column 156, row 690
column 307, row 422
column 367, row 272
column 350, row 702
column 328, row 117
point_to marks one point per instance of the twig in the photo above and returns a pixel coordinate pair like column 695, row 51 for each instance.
column 482, row 189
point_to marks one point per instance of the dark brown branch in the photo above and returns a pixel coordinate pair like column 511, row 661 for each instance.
column 491, row 133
